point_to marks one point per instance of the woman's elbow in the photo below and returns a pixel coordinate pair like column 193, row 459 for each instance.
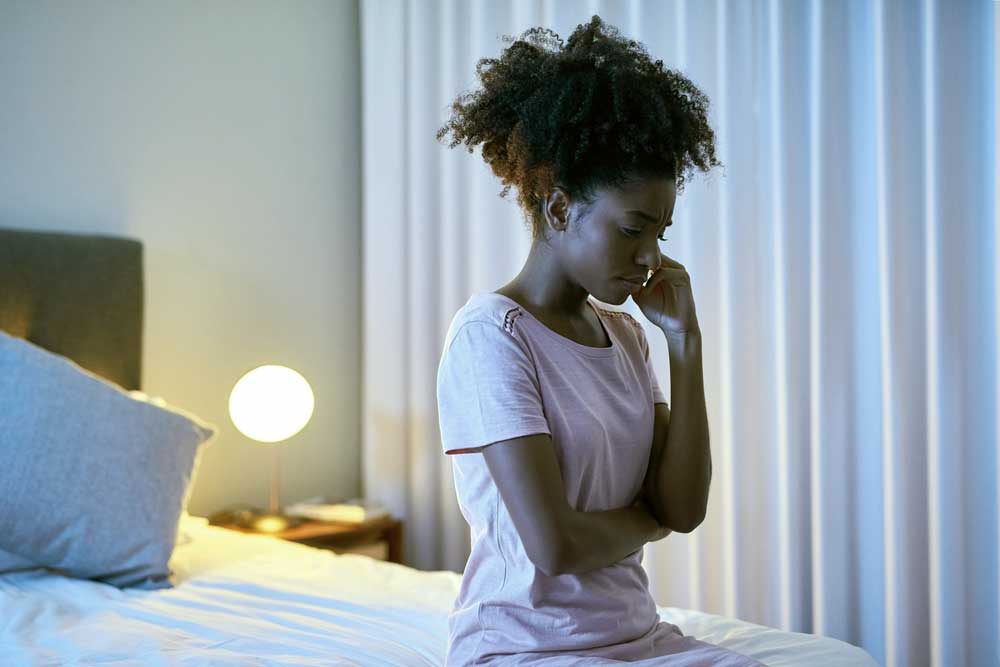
column 686, row 520
column 687, row 525
column 697, row 517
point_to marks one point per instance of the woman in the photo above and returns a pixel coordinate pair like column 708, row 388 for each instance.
column 548, row 401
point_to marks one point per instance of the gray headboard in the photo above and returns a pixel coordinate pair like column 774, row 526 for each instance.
column 78, row 295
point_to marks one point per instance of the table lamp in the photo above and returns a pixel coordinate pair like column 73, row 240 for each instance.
column 270, row 404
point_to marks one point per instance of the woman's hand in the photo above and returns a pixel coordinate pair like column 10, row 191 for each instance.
column 667, row 300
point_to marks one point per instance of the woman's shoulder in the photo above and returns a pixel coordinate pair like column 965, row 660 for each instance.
column 490, row 308
column 487, row 327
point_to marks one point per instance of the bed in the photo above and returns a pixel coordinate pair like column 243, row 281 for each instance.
column 231, row 598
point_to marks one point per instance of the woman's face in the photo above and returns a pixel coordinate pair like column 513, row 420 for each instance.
column 615, row 238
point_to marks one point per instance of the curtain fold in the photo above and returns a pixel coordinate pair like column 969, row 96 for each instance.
column 844, row 268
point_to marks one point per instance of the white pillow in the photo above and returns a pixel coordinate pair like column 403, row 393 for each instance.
column 93, row 480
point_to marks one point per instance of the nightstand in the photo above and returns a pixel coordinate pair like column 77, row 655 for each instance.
column 380, row 538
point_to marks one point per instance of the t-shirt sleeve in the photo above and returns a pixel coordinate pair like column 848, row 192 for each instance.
column 487, row 389
column 658, row 396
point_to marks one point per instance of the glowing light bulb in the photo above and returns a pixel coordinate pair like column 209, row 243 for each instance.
column 271, row 403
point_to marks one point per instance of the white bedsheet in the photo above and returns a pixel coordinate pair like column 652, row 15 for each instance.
column 252, row 600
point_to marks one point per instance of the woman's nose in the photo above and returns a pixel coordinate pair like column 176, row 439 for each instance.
column 651, row 257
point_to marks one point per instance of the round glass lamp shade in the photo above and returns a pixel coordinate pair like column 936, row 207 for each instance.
column 271, row 403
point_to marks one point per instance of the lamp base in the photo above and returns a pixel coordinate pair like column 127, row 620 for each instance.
column 272, row 523
column 256, row 520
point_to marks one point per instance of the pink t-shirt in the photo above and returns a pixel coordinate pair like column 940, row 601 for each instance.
column 504, row 374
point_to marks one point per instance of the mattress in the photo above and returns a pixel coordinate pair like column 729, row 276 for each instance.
column 253, row 600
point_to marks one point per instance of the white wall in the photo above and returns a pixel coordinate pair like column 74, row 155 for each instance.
column 225, row 136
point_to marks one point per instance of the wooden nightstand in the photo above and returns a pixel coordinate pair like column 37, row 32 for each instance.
column 380, row 538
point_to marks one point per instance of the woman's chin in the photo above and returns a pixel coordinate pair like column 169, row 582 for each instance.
column 621, row 294
column 615, row 297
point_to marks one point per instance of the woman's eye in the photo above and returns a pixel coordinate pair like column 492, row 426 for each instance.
column 635, row 232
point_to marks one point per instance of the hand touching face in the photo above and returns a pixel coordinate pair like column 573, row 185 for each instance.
column 667, row 299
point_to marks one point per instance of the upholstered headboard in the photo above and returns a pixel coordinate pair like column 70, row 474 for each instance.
column 78, row 295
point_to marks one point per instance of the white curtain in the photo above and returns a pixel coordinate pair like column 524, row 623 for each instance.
column 844, row 269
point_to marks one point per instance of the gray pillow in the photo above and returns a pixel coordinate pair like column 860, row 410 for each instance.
column 92, row 480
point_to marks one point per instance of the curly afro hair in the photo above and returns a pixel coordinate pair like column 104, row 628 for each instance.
column 594, row 113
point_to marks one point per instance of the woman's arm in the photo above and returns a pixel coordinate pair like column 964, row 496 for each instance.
column 557, row 538
column 598, row 539
column 643, row 502
column 678, row 482
column 650, row 489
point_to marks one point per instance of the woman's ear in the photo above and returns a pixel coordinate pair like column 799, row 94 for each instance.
column 555, row 208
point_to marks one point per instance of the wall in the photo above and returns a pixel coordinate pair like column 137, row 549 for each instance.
column 225, row 136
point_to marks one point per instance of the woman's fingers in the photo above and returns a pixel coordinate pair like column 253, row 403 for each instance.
column 657, row 278
column 674, row 275
column 669, row 269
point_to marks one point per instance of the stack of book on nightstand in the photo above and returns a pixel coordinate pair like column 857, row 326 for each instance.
column 352, row 510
